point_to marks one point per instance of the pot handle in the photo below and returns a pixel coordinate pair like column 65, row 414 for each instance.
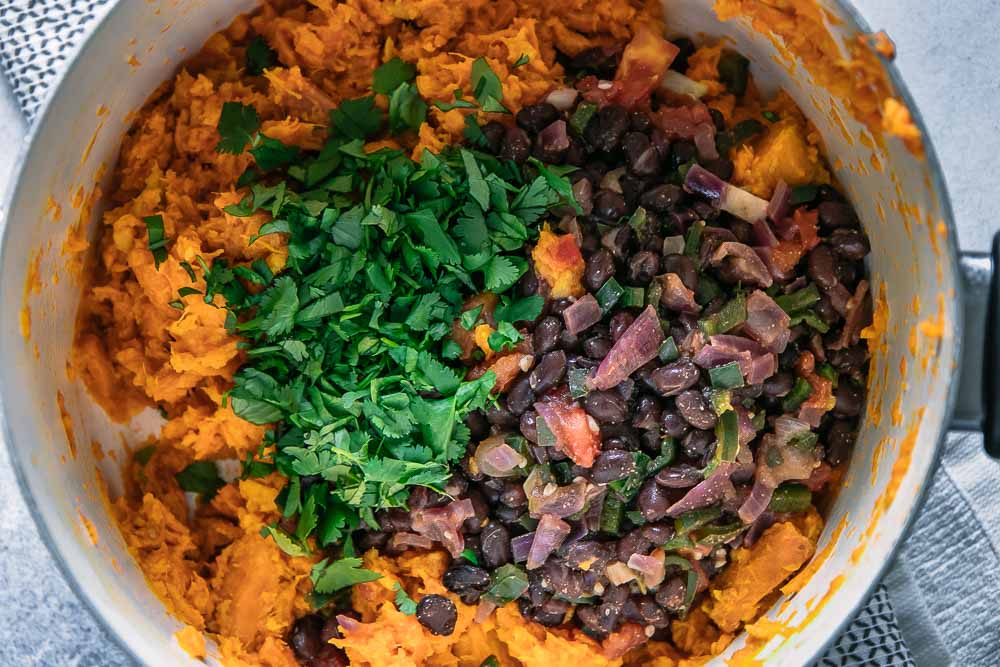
column 977, row 407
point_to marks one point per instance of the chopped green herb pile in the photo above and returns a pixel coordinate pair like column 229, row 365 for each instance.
column 348, row 348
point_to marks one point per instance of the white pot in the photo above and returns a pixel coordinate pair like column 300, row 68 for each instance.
column 913, row 261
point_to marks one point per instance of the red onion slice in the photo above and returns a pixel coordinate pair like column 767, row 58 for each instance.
column 781, row 201
column 743, row 263
column 520, row 546
column 549, row 535
column 650, row 567
column 496, row 458
column 767, row 323
column 444, row 524
column 637, row 346
column 713, row 489
column 582, row 315
column 554, row 137
column 562, row 98
column 728, row 197
column 676, row 296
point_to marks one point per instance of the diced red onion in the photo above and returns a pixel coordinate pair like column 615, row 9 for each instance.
column 767, row 323
column 549, row 535
column 520, row 546
column 483, row 611
column 444, row 524
column 781, row 202
column 582, row 315
column 611, row 181
column 728, row 197
column 400, row 542
column 790, row 462
column 570, row 225
column 714, row 488
column 673, row 245
column 702, row 182
column 763, row 235
column 679, row 84
column 550, row 498
column 650, row 567
column 676, row 296
column 764, row 521
column 755, row 362
column 554, row 137
column 704, row 141
column 743, row 262
column 583, row 193
column 637, row 346
column 648, row 161
column 619, row 573
column 562, row 98
column 747, row 432
column 496, row 458
column 858, row 317
column 757, row 502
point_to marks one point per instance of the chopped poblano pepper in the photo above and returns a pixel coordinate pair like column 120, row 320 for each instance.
column 803, row 194
column 790, row 498
column 804, row 298
column 689, row 521
column 730, row 316
column 577, row 380
column 669, row 351
column 611, row 515
column 726, row 376
column 507, row 583
column 581, row 117
column 692, row 242
column 609, row 295
column 800, row 392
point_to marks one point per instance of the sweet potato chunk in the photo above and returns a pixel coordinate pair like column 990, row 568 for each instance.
column 559, row 263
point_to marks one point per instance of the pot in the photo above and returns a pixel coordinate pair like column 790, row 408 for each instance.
column 916, row 273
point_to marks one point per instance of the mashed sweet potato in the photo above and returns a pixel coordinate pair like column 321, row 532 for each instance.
column 134, row 349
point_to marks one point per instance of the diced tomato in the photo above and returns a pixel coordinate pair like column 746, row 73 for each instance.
column 821, row 400
column 644, row 61
column 683, row 122
column 576, row 434
column 807, row 221
column 600, row 93
column 819, row 478
column 507, row 368
column 466, row 338
column 786, row 255
column 629, row 636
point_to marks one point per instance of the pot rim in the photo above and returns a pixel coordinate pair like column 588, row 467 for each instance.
column 857, row 24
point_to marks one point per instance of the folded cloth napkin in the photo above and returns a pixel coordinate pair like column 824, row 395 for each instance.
column 950, row 558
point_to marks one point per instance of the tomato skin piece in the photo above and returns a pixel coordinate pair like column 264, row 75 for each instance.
column 577, row 435
column 644, row 61
column 628, row 637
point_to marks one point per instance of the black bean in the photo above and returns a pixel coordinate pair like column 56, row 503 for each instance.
column 835, row 214
column 849, row 359
column 600, row 60
column 480, row 511
column 653, row 501
column 520, row 397
column 507, row 515
column 660, row 198
column 494, row 132
column 686, row 50
column 670, row 595
column 607, row 407
column 609, row 205
column 495, row 545
column 721, row 167
column 559, row 305
column 643, row 158
column 536, row 117
column 647, row 414
column 658, row 533
column 513, row 495
column 674, row 378
column 550, row 613
column 717, row 119
column 569, row 342
column 593, row 556
column 839, row 441
column 684, row 267
column 546, row 334
column 850, row 243
column 576, row 155
column 597, row 347
column 850, row 399
column 438, row 614
column 620, row 322
column 330, row 656
column 742, row 230
column 478, row 425
column 695, row 409
column 528, row 284
column 397, row 519
column 499, row 416
column 599, row 268
column 633, row 543
column 610, row 125
column 779, row 384
column 549, row 372
column 612, row 465
column 672, row 424
column 848, row 272
column 821, row 266
column 528, row 426
column 698, row 445
column 682, row 152
column 516, row 145
column 824, row 308
column 305, row 638
column 644, row 610
column 643, row 267
column 373, row 540
column 632, row 188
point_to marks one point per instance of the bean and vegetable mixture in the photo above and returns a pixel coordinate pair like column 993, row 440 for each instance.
column 574, row 368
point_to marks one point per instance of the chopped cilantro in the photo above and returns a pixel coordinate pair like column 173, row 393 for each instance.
column 485, row 83
column 357, row 119
column 407, row 110
column 237, row 125
column 201, row 477
column 470, row 555
column 157, row 238
column 260, row 56
column 330, row 577
column 522, row 61
column 145, row 454
column 404, row 603
column 505, row 337
column 392, row 74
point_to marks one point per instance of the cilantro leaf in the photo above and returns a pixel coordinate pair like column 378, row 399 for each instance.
column 485, row 82
column 260, row 56
column 278, row 307
column 392, row 74
column 330, row 577
column 522, row 61
column 237, row 125
column 407, row 110
column 439, row 376
column 404, row 603
column 469, row 318
column 201, row 477
column 500, row 274
column 470, row 555
column 523, row 310
column 505, row 337
column 271, row 153
column 478, row 188
column 157, row 241
column 285, row 542
column 357, row 119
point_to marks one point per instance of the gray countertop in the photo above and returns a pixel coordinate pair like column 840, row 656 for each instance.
column 947, row 53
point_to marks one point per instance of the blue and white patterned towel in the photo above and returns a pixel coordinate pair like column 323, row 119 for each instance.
column 939, row 603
